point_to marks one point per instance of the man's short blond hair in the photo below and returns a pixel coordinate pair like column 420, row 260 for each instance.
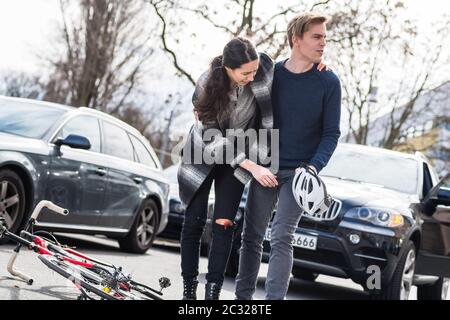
column 300, row 24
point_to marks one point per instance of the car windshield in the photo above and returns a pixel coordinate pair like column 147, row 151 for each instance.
column 366, row 166
column 27, row 120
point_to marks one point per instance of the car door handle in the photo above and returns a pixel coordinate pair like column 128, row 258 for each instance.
column 137, row 180
column 100, row 171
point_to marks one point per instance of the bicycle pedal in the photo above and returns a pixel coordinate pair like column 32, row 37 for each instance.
column 164, row 282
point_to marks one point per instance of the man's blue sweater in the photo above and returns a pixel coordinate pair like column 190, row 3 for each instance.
column 306, row 108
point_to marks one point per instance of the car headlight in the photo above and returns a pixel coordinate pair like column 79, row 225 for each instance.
column 176, row 206
column 378, row 216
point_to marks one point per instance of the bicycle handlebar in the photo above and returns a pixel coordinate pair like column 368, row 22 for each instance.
column 49, row 205
column 37, row 210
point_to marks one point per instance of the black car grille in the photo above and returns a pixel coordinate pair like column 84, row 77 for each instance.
column 327, row 257
column 372, row 256
column 327, row 226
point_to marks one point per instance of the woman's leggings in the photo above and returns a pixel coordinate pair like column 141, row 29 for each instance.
column 228, row 192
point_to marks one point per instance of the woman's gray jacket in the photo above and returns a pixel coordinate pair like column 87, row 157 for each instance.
column 191, row 174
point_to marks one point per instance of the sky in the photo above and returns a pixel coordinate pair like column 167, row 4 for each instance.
column 25, row 29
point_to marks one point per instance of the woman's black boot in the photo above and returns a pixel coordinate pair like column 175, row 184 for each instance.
column 212, row 291
column 190, row 289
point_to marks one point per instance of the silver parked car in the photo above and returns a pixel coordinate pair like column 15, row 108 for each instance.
column 98, row 167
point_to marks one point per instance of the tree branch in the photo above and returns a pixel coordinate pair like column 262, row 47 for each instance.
column 163, row 39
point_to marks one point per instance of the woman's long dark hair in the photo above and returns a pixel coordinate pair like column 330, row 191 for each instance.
column 214, row 101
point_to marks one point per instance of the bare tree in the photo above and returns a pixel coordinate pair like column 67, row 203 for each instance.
column 359, row 35
column 105, row 49
column 243, row 18
column 21, row 85
column 104, row 54
column 402, row 118
column 430, row 111
column 161, row 7
column 367, row 39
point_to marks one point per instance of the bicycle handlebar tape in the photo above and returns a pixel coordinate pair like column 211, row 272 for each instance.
column 49, row 205
column 16, row 272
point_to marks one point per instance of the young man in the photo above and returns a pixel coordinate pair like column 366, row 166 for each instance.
column 306, row 107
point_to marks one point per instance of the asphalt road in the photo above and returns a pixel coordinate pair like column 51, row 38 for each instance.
column 162, row 260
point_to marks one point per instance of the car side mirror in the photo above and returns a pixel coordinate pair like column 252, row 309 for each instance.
column 74, row 141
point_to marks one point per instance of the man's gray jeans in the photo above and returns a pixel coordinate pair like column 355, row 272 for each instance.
column 260, row 204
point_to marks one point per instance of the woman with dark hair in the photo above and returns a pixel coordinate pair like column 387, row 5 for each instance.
column 233, row 94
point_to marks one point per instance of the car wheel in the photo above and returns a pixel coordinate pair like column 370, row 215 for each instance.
column 12, row 200
column 402, row 279
column 143, row 232
column 304, row 274
column 435, row 291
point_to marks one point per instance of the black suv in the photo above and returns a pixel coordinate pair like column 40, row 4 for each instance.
column 98, row 167
column 392, row 230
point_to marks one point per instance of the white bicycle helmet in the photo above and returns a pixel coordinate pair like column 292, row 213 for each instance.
column 311, row 194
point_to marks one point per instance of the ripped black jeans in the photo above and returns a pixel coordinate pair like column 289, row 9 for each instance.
column 228, row 192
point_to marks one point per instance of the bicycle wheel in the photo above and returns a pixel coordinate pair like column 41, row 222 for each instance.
column 98, row 280
column 80, row 276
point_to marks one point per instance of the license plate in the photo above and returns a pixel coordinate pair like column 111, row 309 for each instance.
column 300, row 240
